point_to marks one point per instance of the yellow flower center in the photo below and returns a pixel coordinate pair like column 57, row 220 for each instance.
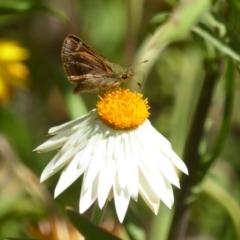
column 122, row 109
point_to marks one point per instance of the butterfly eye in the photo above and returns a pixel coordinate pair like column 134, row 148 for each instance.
column 124, row 76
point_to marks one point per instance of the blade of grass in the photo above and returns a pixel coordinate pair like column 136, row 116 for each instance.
column 191, row 154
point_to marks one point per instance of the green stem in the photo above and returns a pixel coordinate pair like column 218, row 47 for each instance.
column 98, row 214
column 191, row 155
column 134, row 18
column 226, row 121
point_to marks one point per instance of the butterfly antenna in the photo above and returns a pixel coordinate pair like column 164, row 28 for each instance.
column 138, row 64
column 140, row 84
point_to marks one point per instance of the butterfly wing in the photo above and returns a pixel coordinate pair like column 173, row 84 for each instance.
column 85, row 66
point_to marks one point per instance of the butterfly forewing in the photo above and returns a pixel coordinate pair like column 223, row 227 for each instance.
column 87, row 68
column 78, row 59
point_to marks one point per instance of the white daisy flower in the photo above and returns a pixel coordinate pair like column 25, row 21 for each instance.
column 118, row 152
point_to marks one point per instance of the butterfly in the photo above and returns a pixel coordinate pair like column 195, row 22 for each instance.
column 90, row 70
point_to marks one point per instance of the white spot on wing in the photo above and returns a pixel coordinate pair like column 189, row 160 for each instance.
column 78, row 46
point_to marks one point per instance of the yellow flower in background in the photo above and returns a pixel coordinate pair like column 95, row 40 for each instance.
column 13, row 72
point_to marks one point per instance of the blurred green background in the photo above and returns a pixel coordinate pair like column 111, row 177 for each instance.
column 191, row 81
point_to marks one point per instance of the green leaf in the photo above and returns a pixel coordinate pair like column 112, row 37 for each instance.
column 13, row 7
column 208, row 159
column 190, row 82
column 157, row 20
column 179, row 24
column 21, row 239
column 206, row 33
column 88, row 229
column 221, row 196
column 54, row 12
column 135, row 232
column 218, row 28
column 17, row 7
column 183, row 18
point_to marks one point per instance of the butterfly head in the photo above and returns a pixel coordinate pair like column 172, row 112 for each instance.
column 126, row 74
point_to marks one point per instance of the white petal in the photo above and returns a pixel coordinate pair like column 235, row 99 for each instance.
column 107, row 172
column 156, row 181
column 121, row 199
column 96, row 161
column 142, row 154
column 70, row 149
column 105, row 130
column 78, row 137
column 73, row 171
column 64, row 157
column 148, row 195
column 162, row 143
column 88, row 196
column 68, row 125
column 167, row 171
column 165, row 166
column 168, row 152
column 171, row 154
column 132, row 169
column 159, row 160
column 119, row 156
column 106, row 178
column 169, row 189
column 53, row 143
column 88, row 153
column 147, row 125
column 179, row 163
column 48, row 170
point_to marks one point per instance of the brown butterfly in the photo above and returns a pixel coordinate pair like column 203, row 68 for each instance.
column 88, row 69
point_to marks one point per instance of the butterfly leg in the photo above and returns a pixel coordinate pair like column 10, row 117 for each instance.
column 115, row 85
column 105, row 88
column 78, row 88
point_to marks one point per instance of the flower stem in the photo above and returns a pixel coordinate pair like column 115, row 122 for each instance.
column 191, row 154
column 226, row 121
